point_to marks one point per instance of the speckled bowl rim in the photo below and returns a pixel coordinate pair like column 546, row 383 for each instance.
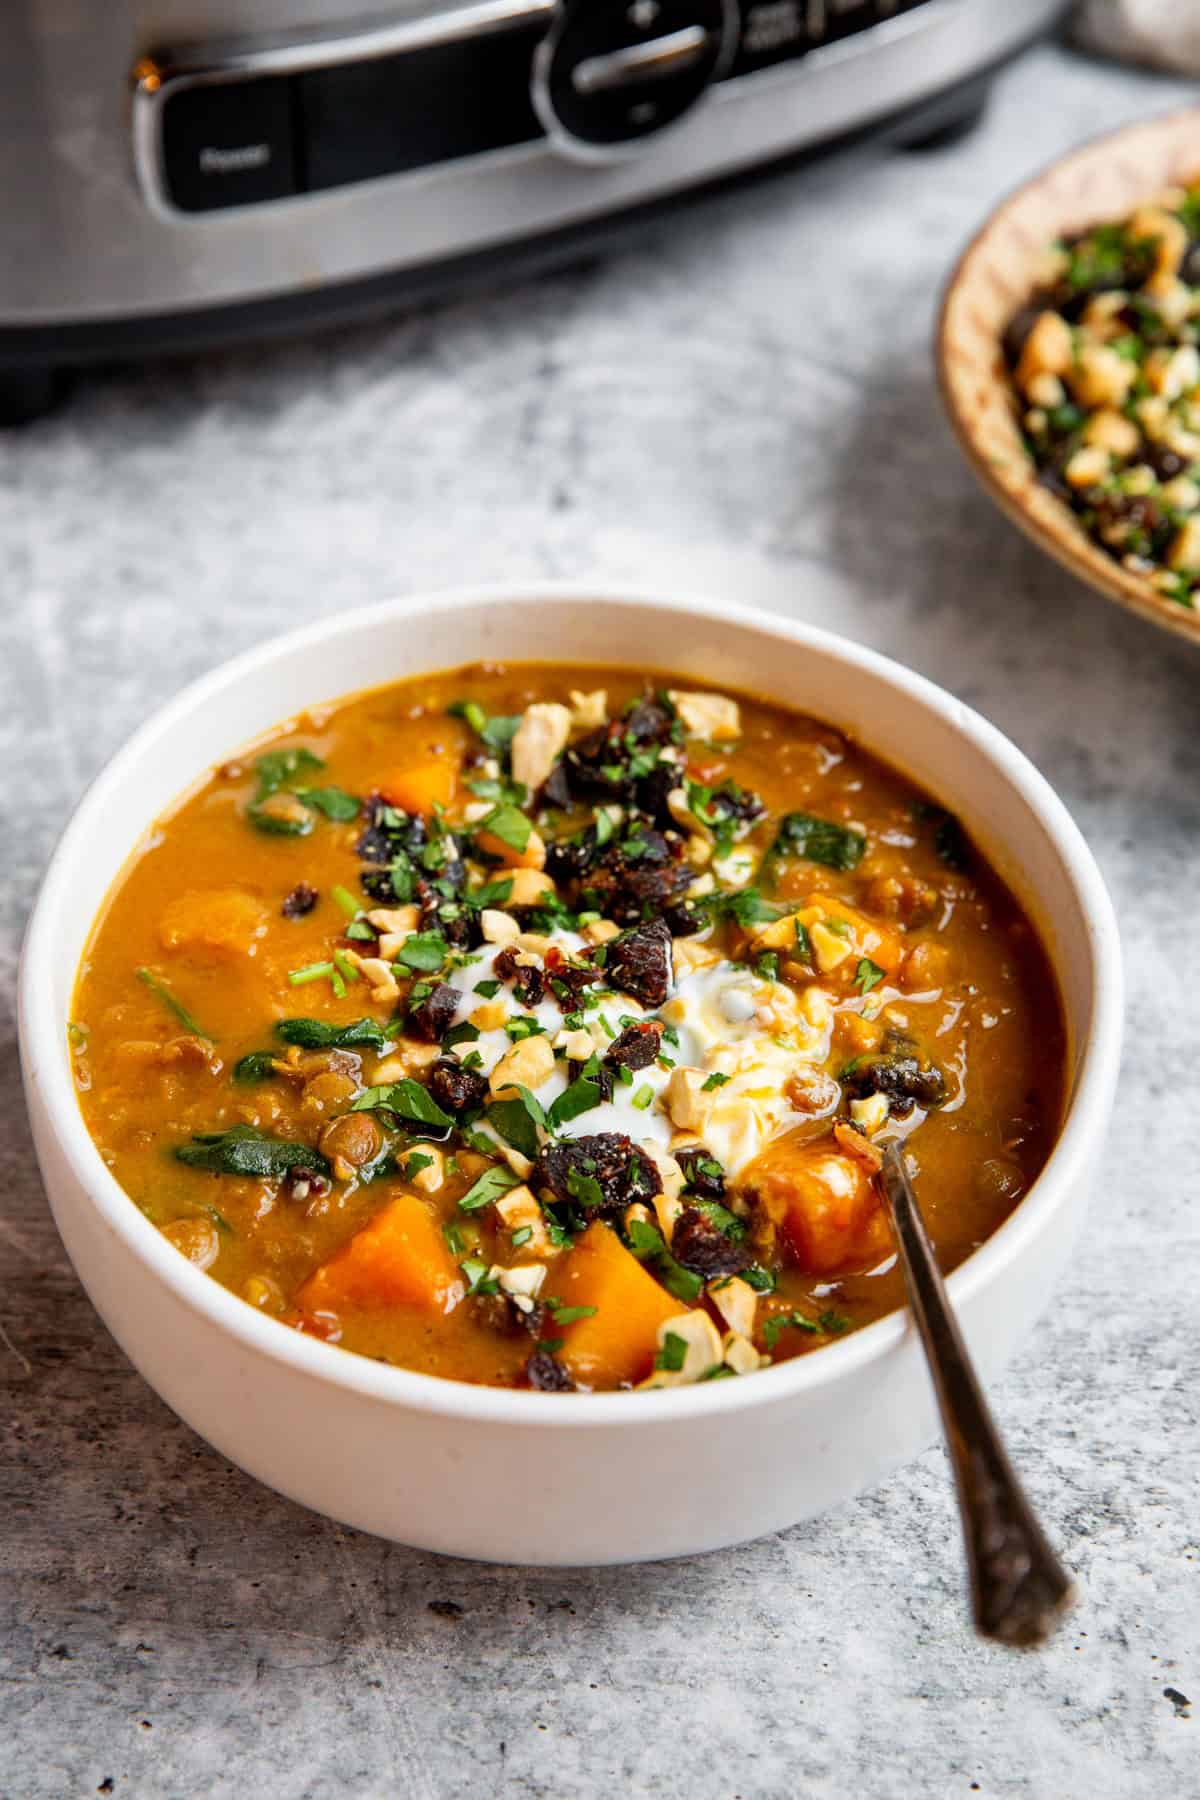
column 974, row 382
column 46, row 1061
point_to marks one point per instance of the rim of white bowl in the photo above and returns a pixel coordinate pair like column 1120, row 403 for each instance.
column 43, row 1040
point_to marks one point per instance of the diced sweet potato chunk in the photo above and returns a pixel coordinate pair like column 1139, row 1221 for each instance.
column 840, row 937
column 399, row 1259
column 824, row 1202
column 618, row 1341
column 421, row 787
column 213, row 923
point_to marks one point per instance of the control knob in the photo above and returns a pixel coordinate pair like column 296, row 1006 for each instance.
column 611, row 72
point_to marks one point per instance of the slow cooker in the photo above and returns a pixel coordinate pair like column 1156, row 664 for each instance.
column 182, row 172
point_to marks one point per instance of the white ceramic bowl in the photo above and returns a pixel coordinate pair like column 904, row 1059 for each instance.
column 526, row 1477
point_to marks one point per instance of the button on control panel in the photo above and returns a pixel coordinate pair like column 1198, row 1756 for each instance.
column 609, row 74
column 229, row 144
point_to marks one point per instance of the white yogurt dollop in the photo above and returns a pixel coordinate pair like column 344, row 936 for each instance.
column 755, row 1036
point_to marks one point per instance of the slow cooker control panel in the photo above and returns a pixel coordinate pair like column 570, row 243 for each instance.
column 598, row 78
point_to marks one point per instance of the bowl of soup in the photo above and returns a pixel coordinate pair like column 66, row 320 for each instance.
column 461, row 1038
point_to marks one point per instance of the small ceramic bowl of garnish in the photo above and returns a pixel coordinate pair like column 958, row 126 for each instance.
column 465, row 1101
column 1069, row 357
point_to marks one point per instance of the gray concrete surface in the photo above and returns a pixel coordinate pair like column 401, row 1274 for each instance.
column 740, row 402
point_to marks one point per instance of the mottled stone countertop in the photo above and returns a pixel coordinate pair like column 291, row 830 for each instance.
column 740, row 401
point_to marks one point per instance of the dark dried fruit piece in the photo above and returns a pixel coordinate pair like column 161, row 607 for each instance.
column 528, row 980
column 599, row 1176
column 544, row 1372
column 1167, row 464
column 702, row 1173
column 641, row 877
column 639, row 963
column 736, row 804
column 648, row 722
column 653, row 790
column 569, row 981
column 300, row 901
column 387, row 831
column 303, row 1184
column 608, row 763
column 704, row 1248
column 683, row 919
column 457, row 923
column 637, row 1046
column 455, row 1088
column 433, row 1014
column 569, row 859
column 556, row 789
column 900, row 1078
column 501, row 1314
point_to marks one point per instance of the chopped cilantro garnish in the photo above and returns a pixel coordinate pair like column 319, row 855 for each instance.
column 478, row 1279
column 745, row 907
column 722, row 1218
column 492, row 1185
column 673, row 1353
column 646, row 1243
column 867, row 975
column 760, row 1279
column 408, row 1099
column 493, row 893
column 466, row 1033
column 334, row 802
column 585, row 1188
column 453, row 1237
column 583, row 1093
column 518, row 1120
column 510, row 825
column 415, row 1163
column 278, row 767
column 423, row 950
column 497, row 733
column 489, row 989
column 715, row 1080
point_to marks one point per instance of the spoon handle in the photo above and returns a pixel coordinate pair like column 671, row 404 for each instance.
column 1019, row 1589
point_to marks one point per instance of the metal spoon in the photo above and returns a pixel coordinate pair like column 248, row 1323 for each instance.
column 1019, row 1589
